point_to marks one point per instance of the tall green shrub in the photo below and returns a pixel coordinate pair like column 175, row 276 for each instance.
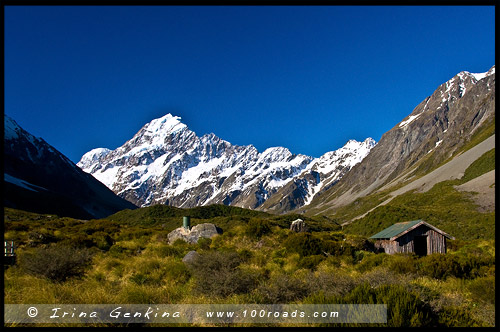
column 57, row 263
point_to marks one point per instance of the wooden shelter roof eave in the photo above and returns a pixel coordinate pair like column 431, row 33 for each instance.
column 419, row 224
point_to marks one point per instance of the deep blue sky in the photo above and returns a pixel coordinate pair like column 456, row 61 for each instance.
column 308, row 78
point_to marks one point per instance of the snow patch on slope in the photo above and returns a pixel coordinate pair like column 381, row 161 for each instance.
column 408, row 121
column 21, row 183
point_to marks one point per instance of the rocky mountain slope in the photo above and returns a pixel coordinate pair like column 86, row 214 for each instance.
column 166, row 163
column 39, row 178
column 437, row 130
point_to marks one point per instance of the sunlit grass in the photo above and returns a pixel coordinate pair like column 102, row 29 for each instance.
column 141, row 267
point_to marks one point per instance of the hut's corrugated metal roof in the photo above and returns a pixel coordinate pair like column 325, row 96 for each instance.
column 395, row 229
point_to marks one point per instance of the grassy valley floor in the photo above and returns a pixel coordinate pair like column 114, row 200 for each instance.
column 126, row 258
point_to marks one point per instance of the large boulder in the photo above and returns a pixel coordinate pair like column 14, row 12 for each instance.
column 298, row 226
column 190, row 257
column 192, row 235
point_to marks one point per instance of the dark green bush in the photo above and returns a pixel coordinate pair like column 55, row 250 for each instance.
column 218, row 274
column 37, row 238
column 337, row 248
column 245, row 255
column 439, row 266
column 336, row 284
column 282, row 289
column 402, row 264
column 204, row 243
column 16, row 226
column 102, row 240
column 468, row 266
column 310, row 262
column 139, row 278
column 167, row 250
column 305, row 244
column 483, row 289
column 404, row 309
column 456, row 317
column 371, row 261
column 178, row 272
column 57, row 263
column 257, row 227
column 79, row 240
column 105, row 226
column 116, row 250
column 359, row 242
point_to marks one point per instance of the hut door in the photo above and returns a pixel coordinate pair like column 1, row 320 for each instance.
column 420, row 243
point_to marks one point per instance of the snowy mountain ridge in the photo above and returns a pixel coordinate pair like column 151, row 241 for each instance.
column 167, row 163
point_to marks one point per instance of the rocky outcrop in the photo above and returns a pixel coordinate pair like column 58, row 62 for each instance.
column 192, row 235
column 299, row 226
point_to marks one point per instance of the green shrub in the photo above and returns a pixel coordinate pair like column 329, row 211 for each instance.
column 257, row 227
column 402, row 264
column 104, row 226
column 177, row 272
column 16, row 226
column 337, row 248
column 204, row 243
column 245, row 255
column 380, row 276
column 404, row 309
column 179, row 243
column 118, row 250
column 310, row 262
column 40, row 237
column 483, row 289
column 282, row 288
column 139, row 278
column 371, row 261
column 166, row 250
column 57, row 263
column 218, row 274
column 305, row 244
column 440, row 266
column 359, row 242
column 331, row 284
column 456, row 317
column 102, row 240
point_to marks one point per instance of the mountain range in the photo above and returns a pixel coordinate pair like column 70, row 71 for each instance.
column 427, row 147
column 167, row 163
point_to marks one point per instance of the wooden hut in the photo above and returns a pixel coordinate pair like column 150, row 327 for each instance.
column 415, row 236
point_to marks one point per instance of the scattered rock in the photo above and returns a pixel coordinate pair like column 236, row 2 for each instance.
column 206, row 230
column 190, row 257
column 298, row 226
column 260, row 244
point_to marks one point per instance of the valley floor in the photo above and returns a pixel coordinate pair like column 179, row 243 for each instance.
column 257, row 260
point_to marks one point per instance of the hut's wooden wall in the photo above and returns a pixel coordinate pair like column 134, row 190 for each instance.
column 436, row 243
column 387, row 246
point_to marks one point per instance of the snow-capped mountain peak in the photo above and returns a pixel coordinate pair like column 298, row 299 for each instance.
column 92, row 157
column 165, row 125
column 480, row 76
column 11, row 128
column 166, row 163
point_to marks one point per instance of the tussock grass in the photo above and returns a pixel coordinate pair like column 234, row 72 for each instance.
column 277, row 266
